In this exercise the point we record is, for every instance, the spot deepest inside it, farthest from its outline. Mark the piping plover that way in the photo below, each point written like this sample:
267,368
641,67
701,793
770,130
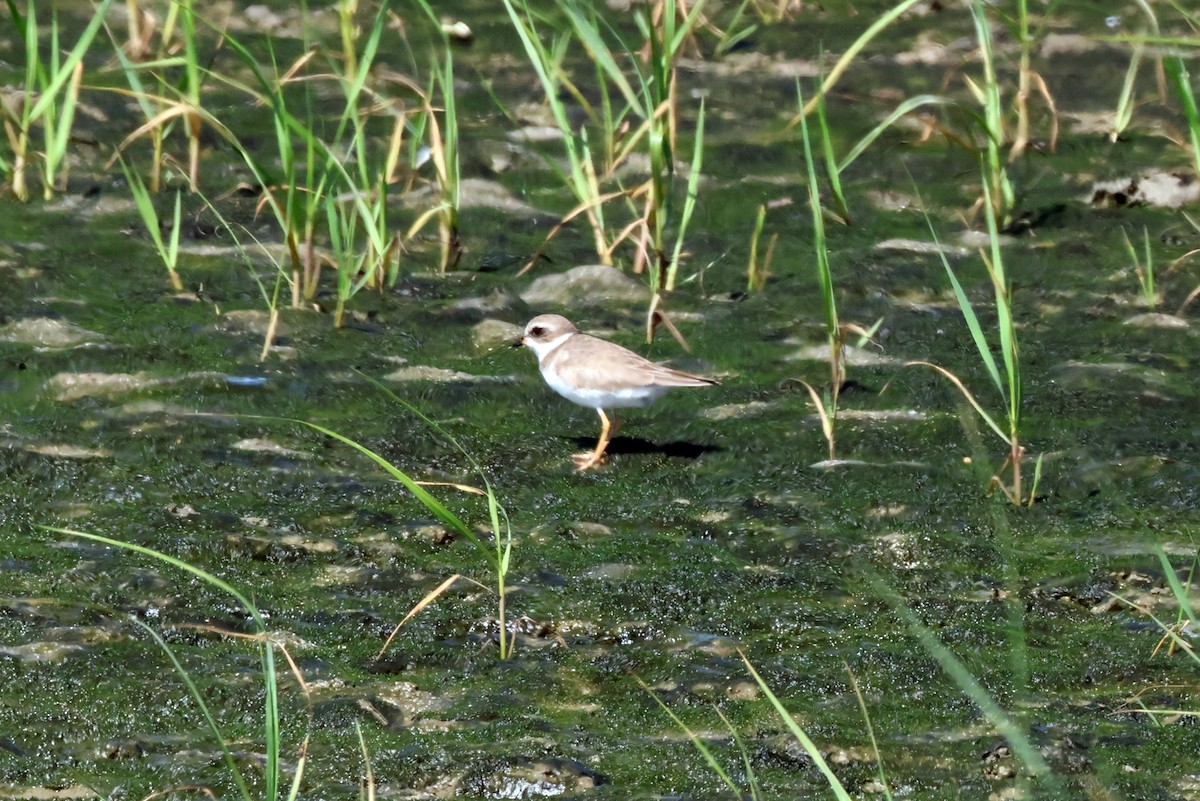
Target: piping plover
598,374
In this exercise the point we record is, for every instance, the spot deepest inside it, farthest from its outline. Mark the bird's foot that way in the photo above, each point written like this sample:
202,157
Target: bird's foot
586,461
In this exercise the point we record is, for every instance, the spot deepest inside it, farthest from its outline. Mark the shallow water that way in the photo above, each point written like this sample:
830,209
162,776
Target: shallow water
711,529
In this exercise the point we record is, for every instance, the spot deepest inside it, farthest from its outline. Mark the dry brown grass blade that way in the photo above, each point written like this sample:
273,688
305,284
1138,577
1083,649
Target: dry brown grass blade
823,415
298,65
657,315
764,272
1186,301
1021,140
269,337
429,598
1174,265
258,637
628,232
173,110
957,382
572,214
852,328
1044,91
1172,639
142,26
453,485
997,483
395,146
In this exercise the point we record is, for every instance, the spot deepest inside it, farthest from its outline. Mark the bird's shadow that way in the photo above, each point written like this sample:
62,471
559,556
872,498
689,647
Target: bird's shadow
635,445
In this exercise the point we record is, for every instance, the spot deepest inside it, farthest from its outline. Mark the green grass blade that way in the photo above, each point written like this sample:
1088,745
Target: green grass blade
968,312
747,765
209,718
431,503
847,58
689,204
698,743
1024,748
200,573
600,52
1125,105
173,245
145,207
1179,591
49,93
907,107
1004,317
807,744
831,169
1178,72
820,251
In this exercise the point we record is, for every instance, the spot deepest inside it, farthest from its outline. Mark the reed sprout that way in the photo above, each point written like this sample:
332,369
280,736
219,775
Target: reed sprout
168,250
836,332
646,84
444,155
1125,104
759,270
272,296
580,175
48,98
998,189
313,168
442,149
1143,266
1007,383
192,83
173,101
826,406
1185,616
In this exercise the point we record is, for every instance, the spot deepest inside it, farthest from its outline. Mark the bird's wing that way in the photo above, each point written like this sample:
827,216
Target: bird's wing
607,366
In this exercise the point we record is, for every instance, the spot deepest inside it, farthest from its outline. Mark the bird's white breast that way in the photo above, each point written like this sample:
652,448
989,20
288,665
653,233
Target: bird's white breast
623,398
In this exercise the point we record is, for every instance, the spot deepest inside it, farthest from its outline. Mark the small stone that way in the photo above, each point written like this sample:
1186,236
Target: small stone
1157,320
45,332
589,285
490,335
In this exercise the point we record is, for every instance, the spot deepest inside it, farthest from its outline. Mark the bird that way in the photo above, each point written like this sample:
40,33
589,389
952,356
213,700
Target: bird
599,374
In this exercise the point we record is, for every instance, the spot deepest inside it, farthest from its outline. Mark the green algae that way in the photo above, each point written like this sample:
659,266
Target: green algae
701,536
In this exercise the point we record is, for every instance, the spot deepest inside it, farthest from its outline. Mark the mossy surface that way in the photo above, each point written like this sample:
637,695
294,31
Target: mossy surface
711,529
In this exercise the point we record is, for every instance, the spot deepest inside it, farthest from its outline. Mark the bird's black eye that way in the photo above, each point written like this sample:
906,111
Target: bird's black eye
536,331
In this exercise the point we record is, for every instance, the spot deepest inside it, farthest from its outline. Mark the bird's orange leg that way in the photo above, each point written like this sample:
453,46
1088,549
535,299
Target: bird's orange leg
585,461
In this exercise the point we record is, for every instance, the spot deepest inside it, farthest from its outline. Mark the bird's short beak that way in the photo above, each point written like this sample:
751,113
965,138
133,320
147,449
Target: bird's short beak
519,342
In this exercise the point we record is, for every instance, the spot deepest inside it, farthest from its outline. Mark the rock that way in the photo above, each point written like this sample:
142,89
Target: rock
248,321
261,445
422,372
924,248
735,411
1157,320
523,777
1153,188
490,335
45,332
63,451
72,386
589,285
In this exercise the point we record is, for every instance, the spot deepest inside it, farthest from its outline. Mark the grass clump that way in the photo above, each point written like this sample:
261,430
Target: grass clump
273,763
